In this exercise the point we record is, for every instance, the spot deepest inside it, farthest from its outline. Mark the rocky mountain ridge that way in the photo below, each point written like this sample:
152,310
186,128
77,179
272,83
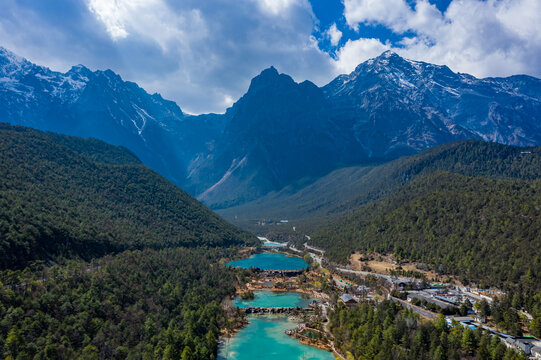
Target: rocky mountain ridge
280,132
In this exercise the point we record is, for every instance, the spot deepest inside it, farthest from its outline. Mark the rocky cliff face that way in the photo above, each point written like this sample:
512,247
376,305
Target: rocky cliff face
278,132
281,131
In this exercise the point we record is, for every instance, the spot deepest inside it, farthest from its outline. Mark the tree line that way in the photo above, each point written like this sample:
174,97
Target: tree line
484,231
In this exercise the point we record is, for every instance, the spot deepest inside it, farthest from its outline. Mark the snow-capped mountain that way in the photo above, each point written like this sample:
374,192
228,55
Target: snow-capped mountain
28,89
97,104
397,106
280,132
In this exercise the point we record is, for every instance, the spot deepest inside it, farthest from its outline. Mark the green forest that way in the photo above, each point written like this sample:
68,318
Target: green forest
142,304
102,258
482,230
467,157
311,205
386,331
67,197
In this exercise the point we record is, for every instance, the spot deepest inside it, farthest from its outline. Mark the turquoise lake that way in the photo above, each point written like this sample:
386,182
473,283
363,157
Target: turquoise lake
273,244
271,261
264,339
266,298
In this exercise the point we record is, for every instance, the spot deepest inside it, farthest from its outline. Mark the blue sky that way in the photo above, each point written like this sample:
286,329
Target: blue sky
203,53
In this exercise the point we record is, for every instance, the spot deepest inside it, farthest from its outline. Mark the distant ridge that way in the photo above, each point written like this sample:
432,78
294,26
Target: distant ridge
284,132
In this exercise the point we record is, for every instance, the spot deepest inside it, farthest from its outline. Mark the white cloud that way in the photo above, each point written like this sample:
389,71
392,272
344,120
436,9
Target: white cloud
484,38
356,51
334,34
109,13
228,101
388,12
214,48
152,19
276,7
202,54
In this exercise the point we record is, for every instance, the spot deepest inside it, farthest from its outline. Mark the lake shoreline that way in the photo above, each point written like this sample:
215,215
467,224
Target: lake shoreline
271,261
232,347
269,331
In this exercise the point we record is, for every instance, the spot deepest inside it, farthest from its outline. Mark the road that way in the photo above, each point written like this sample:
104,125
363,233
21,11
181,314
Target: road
326,331
417,309
291,247
313,248
316,258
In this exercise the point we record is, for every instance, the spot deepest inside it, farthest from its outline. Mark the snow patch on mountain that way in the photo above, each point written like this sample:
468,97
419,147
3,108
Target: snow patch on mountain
235,164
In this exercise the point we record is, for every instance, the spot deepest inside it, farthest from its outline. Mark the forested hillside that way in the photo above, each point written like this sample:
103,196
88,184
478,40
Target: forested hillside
63,196
484,230
349,188
149,304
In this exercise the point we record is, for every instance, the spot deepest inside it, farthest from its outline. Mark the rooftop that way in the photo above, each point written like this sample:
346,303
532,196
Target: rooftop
347,298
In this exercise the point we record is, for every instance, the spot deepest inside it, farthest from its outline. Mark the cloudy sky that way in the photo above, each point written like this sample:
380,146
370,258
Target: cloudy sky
203,53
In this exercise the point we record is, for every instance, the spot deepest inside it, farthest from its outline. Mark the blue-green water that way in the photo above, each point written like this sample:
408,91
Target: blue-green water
270,261
272,244
264,339
265,298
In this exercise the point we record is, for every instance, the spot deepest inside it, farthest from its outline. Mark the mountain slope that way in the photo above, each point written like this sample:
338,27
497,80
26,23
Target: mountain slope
101,105
485,230
56,199
346,189
388,107
136,304
280,132
396,106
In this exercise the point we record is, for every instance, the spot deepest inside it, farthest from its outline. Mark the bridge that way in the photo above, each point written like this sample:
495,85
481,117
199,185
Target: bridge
273,310
283,273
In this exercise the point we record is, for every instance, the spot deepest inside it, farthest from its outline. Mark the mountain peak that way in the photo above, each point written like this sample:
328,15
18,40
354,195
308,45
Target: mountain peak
10,63
388,57
5,52
388,54
79,67
80,70
270,76
270,70
383,60
11,57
